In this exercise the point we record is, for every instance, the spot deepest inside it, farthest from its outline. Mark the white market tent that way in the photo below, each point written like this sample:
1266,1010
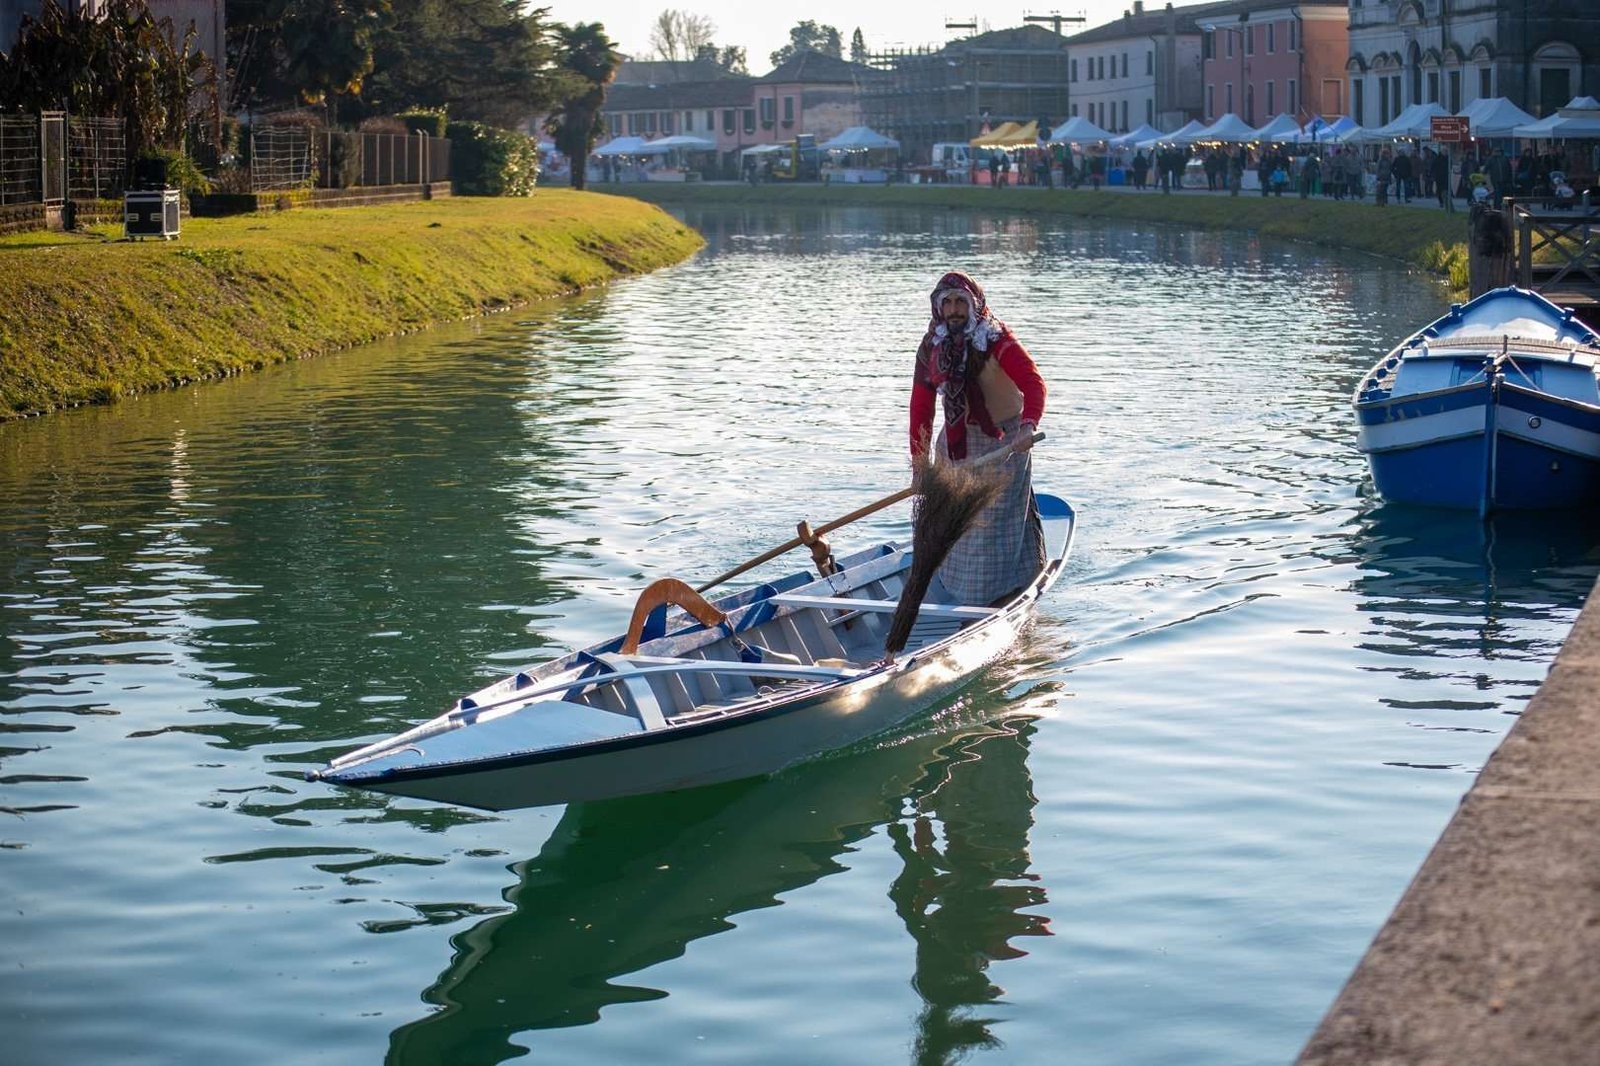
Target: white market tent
1229,129
1414,122
1138,137
1579,120
1177,136
1494,116
684,141
858,138
1340,129
1282,128
629,146
1078,130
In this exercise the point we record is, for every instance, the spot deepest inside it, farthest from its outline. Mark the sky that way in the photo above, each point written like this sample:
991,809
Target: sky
762,29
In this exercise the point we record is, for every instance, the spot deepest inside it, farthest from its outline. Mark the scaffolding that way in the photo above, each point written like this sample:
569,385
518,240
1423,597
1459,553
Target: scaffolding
949,93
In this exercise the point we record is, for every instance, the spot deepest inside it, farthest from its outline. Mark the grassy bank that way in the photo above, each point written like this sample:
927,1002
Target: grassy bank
85,319
1431,240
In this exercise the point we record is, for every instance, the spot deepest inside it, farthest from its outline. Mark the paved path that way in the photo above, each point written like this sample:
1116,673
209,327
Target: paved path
1492,955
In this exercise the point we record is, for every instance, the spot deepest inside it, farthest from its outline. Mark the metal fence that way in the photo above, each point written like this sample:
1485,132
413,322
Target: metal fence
20,171
51,157
293,158
97,158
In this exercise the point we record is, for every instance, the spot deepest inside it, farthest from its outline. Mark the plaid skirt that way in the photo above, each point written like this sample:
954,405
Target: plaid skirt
1004,549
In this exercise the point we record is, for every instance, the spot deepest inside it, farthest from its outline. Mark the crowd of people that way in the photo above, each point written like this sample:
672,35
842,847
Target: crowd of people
1388,174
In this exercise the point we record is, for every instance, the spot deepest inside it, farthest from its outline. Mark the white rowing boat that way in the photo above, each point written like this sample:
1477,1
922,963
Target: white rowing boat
698,692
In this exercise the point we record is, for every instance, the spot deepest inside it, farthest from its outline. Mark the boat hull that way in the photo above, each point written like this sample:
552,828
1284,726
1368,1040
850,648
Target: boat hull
1438,449
760,742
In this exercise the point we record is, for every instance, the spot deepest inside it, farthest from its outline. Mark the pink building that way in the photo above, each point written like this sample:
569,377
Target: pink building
1259,61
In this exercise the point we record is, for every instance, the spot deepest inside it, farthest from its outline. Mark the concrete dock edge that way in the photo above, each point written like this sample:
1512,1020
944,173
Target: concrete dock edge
1492,954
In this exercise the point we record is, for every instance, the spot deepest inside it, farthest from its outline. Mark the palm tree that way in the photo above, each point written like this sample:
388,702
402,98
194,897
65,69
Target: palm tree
589,59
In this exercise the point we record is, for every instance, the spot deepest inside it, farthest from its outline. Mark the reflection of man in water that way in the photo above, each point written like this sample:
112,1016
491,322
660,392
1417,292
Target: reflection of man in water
962,902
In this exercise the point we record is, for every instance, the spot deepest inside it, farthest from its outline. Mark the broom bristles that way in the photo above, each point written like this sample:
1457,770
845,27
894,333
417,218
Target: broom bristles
949,501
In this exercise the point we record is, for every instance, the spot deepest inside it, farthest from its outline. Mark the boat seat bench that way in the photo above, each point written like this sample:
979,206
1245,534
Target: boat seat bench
846,603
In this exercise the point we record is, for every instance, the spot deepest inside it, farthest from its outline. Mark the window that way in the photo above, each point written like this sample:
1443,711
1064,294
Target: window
1358,100
1124,64
1125,126
1433,87
1211,101
1149,62
788,109
688,122
1294,97
1250,104
650,122
711,120
1074,110
615,123
1230,46
1072,70
1208,45
1249,40
749,120
1100,74
1486,81
769,111
666,121
1272,40
1228,89
1454,103
1149,111
1294,35
1383,100
633,125
1394,98
1269,98
727,121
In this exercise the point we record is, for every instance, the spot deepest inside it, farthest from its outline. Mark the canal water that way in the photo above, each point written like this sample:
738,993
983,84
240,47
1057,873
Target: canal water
1161,832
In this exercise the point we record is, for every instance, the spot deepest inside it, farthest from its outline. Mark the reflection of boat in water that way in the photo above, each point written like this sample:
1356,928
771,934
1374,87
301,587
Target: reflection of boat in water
1442,584
625,884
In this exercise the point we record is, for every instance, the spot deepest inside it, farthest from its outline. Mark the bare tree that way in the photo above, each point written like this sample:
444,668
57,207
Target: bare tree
680,35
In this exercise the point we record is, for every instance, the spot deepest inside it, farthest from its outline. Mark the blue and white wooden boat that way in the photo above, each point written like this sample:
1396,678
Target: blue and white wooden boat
701,692
1496,406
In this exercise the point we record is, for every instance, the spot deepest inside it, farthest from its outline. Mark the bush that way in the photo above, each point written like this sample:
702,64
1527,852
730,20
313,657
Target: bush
182,173
486,161
424,121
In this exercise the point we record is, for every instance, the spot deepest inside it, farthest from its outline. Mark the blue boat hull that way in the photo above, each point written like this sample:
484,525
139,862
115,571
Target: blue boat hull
1434,450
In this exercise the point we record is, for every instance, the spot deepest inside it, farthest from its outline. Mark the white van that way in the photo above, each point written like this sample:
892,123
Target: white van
958,158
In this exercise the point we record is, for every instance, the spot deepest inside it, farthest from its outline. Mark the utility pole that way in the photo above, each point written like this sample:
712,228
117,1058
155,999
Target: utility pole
1055,18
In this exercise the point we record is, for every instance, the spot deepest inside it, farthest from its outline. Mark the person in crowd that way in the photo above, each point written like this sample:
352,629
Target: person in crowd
1141,167
1439,175
1355,174
1005,169
992,397
1400,170
1425,171
1384,176
1310,176
1236,165
994,168
1498,170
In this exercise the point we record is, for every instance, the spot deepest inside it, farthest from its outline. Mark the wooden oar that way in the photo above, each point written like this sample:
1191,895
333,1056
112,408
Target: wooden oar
860,512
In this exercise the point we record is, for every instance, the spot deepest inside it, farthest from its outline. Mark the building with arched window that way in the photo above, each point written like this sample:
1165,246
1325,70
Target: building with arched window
1539,54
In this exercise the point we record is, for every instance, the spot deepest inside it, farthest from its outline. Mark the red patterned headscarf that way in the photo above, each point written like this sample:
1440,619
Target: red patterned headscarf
952,361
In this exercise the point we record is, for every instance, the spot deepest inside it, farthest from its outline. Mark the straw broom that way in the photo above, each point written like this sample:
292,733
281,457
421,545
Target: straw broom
949,501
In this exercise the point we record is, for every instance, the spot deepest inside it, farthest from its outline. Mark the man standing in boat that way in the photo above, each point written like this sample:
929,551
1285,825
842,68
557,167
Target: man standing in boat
993,398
